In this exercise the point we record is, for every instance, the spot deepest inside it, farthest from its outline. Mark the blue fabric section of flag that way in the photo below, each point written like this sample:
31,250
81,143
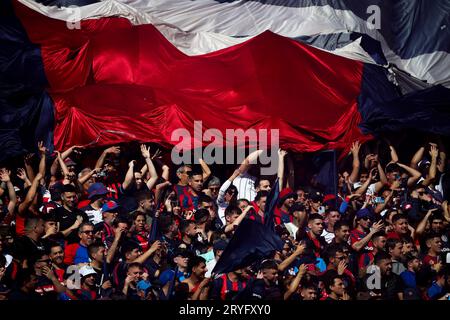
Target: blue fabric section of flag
325,163
27,114
384,109
271,203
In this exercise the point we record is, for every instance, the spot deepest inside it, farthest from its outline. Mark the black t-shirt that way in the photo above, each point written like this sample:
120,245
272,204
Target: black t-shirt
25,248
46,289
66,219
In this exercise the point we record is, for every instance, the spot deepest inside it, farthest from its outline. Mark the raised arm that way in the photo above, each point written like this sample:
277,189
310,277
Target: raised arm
238,220
129,177
147,254
5,176
30,195
226,185
356,164
281,155
413,173
394,156
433,166
251,158
288,261
417,157
86,177
42,152
423,223
296,282
153,174
101,159
206,170
28,166
357,246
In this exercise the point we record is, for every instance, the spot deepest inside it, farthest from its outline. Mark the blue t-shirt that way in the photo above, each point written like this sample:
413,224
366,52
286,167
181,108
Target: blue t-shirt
409,279
81,255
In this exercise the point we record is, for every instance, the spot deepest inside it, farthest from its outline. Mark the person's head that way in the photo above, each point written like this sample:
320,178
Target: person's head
139,181
110,210
364,218
145,201
308,290
88,277
335,285
243,203
130,251
400,224
363,175
181,259
287,198
218,248
231,194
139,221
188,228
197,267
135,270
232,213
341,231
392,172
335,255
394,248
56,253
86,233
413,263
34,227
201,217
408,246
332,217
27,280
437,223
214,187
206,202
89,182
434,243
261,199
379,240
50,221
39,261
269,269
96,252
384,261
301,195
315,224
183,173
422,193
196,181
168,226
121,222
263,185
69,196
316,200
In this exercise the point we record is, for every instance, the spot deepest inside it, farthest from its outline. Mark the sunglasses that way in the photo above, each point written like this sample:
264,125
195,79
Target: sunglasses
45,261
88,232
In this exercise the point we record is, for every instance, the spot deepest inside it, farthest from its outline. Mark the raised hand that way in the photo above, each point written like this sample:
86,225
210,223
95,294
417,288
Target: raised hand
5,175
157,155
28,157
434,152
341,267
114,149
377,226
355,148
42,149
145,151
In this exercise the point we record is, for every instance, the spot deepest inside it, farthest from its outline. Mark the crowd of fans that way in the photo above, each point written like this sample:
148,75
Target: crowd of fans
74,233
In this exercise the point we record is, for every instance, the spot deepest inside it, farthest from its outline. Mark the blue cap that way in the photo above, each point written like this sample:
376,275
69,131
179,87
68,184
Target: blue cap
109,206
97,189
362,213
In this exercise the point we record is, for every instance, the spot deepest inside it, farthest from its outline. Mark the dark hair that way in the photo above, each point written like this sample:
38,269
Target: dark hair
410,257
381,255
93,248
68,188
24,276
314,216
230,210
85,224
392,167
195,261
268,265
339,224
331,252
143,195
128,246
378,234
436,216
134,265
52,244
398,216
184,224
204,198
195,173
330,278
261,194
165,222
432,235
391,243
121,219
136,214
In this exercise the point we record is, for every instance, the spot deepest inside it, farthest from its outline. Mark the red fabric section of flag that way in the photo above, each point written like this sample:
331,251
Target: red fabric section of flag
110,75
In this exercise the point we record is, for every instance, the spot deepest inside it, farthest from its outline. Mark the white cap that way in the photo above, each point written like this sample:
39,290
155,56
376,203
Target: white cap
86,270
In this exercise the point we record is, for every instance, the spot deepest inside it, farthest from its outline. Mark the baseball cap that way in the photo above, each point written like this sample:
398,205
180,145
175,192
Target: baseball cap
110,206
362,213
286,193
96,189
220,245
86,270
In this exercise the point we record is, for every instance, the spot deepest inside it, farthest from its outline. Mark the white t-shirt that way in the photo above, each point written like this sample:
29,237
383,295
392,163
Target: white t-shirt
245,183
